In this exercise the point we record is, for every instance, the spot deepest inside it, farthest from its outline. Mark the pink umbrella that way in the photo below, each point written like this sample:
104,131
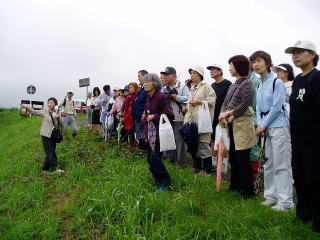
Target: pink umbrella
221,150
222,143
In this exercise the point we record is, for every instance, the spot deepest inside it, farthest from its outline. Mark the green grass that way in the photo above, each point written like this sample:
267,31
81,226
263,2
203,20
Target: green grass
107,192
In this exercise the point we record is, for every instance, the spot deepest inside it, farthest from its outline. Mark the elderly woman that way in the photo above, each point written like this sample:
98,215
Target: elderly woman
200,92
157,103
237,114
50,120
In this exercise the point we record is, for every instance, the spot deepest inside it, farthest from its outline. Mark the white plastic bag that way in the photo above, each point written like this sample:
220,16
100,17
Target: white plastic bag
222,133
109,122
166,136
204,119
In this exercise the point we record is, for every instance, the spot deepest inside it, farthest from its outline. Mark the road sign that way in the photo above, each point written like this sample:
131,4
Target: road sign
85,82
31,89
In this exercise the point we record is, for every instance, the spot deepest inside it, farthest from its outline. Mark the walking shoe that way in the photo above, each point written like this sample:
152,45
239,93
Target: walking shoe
225,168
268,203
279,207
194,170
204,173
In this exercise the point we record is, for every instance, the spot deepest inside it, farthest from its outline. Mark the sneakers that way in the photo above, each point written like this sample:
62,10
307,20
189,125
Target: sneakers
278,207
268,203
204,173
225,168
194,170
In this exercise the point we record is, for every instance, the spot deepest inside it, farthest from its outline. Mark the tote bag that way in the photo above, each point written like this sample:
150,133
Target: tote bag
166,136
204,119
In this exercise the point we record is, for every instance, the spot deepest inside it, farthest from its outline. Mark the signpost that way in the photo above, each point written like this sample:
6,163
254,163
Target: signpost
31,89
85,82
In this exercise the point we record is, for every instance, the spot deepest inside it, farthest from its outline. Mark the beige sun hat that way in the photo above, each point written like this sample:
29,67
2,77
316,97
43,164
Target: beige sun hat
198,69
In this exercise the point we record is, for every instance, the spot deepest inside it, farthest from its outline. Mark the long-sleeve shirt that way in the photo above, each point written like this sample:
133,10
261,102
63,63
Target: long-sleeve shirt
255,81
156,105
117,106
105,105
47,124
271,102
138,104
239,97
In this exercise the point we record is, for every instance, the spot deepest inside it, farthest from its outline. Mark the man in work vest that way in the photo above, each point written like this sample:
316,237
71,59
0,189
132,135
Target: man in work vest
69,113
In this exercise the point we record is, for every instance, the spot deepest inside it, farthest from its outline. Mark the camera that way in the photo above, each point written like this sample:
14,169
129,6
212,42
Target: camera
168,90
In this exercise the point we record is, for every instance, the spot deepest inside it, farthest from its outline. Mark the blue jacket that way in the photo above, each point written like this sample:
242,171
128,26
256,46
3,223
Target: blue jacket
271,101
138,104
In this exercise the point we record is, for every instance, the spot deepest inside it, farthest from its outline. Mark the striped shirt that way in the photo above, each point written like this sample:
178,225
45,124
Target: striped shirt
239,97
46,125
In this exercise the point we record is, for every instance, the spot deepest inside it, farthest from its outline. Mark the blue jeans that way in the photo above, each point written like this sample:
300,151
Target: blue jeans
70,120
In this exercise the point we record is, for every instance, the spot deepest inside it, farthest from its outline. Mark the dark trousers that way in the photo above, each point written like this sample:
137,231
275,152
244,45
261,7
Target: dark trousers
241,174
157,168
306,175
202,164
51,160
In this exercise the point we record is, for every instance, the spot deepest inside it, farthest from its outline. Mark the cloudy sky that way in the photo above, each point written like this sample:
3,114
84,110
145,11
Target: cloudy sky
53,43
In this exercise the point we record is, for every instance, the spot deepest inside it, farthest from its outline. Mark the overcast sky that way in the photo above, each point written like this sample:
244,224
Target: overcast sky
53,43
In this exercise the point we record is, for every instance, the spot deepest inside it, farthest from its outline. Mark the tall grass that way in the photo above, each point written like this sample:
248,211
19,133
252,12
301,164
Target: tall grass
107,192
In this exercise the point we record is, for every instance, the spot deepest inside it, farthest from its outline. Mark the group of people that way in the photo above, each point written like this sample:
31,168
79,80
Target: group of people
282,111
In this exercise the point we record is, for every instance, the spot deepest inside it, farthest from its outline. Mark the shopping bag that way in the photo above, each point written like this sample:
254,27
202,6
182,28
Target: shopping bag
204,119
109,122
222,133
166,136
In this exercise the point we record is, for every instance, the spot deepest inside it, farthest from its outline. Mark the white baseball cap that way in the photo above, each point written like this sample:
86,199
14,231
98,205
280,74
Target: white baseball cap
275,68
214,65
198,69
302,44
70,91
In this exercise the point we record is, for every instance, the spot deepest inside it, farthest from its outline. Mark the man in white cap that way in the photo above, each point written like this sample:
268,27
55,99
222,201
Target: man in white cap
304,127
69,113
220,87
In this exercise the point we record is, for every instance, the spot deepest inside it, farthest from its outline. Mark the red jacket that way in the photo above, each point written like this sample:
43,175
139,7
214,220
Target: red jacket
127,115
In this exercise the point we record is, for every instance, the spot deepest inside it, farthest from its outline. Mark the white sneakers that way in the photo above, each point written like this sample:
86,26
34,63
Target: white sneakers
275,206
281,208
268,203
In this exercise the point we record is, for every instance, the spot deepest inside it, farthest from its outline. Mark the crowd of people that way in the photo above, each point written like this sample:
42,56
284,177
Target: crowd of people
281,111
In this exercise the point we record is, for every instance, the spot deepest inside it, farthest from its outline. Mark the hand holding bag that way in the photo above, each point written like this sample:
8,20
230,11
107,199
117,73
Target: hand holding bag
204,119
56,133
166,136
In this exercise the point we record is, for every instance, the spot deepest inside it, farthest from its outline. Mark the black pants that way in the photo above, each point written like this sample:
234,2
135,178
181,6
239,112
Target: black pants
157,168
51,160
306,175
241,174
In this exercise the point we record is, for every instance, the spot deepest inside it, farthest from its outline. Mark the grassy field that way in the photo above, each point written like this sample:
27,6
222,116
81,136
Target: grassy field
107,192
